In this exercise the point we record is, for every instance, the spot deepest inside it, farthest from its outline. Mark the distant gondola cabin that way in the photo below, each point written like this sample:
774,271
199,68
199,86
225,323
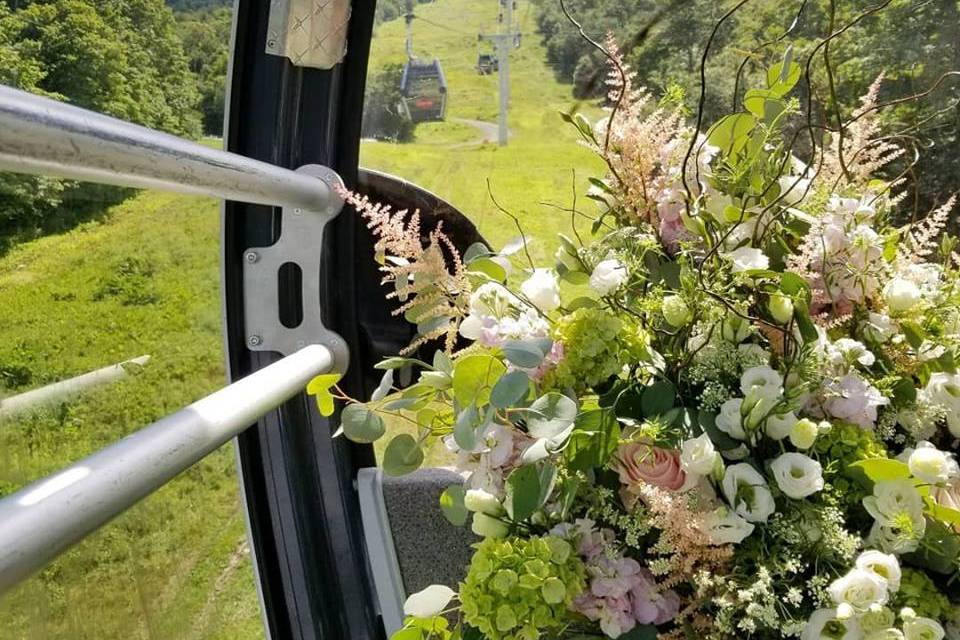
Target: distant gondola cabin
424,90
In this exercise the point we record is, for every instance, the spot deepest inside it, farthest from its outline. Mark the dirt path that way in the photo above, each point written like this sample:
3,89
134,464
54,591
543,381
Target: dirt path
490,131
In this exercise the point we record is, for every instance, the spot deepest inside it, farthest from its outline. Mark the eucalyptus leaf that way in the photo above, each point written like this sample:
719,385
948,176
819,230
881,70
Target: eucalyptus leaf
475,251
451,504
522,353
360,424
510,389
465,428
488,267
550,415
523,492
657,399
474,377
386,384
402,456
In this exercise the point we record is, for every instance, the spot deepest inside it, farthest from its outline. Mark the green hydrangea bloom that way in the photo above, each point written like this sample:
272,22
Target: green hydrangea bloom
846,444
918,592
596,344
521,589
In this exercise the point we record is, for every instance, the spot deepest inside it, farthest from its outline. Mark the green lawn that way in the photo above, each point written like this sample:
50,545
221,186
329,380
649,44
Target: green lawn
538,163
145,280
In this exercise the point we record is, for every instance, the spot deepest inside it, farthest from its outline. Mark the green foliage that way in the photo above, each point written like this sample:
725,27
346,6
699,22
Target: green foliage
197,5
919,592
519,588
206,41
597,335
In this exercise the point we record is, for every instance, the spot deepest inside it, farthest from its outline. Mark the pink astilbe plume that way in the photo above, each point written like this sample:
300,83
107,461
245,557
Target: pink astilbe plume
429,278
637,143
921,237
864,152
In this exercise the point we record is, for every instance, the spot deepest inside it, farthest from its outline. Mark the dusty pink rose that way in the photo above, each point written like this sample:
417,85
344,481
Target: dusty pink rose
638,462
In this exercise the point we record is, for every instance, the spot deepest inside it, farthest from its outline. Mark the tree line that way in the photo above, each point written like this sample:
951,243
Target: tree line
125,58
912,42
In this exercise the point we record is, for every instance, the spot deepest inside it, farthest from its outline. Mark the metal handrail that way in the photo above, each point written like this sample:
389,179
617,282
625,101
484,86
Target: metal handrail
45,137
60,391
41,521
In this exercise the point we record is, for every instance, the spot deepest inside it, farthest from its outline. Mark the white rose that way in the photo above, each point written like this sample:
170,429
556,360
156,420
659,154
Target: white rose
884,565
724,526
877,619
675,311
489,527
698,456
824,625
728,420
542,289
747,259
748,493
943,390
608,276
797,475
901,295
779,427
931,465
920,628
858,591
480,501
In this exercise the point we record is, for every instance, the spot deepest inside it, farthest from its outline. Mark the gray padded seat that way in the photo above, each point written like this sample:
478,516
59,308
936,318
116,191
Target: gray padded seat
410,543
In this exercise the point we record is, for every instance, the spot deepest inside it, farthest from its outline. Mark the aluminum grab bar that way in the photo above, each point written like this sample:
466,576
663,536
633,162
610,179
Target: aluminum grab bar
45,137
41,521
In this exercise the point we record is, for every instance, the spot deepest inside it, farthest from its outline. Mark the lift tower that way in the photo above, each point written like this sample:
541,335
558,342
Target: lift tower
504,41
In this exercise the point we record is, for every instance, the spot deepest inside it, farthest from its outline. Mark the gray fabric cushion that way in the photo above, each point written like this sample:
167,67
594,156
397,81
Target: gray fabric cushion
430,550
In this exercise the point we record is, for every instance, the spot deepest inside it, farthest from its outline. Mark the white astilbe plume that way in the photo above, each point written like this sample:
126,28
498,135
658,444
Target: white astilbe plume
432,294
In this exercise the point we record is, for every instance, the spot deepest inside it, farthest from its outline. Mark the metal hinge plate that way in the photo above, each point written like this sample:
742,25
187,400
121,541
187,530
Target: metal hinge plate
311,33
300,243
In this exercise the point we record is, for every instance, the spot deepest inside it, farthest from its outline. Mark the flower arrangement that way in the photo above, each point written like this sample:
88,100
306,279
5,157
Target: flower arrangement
727,414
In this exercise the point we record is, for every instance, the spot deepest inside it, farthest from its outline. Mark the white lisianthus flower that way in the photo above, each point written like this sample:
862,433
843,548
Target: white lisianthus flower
489,527
943,390
878,619
763,380
724,526
897,509
793,189
698,456
854,351
748,259
931,465
608,276
748,493
901,295
878,327
884,565
797,475
480,501
430,602
824,625
857,591
779,427
919,628
729,421
542,289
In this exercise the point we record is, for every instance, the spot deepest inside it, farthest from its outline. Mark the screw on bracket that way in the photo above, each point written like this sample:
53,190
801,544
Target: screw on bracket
254,341
251,256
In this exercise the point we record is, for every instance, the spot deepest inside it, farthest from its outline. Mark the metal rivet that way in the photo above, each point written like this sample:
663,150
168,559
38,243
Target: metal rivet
252,256
297,212
254,341
271,44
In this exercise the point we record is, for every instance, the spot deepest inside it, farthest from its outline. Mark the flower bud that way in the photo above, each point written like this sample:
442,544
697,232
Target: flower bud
781,307
676,312
479,501
804,433
488,527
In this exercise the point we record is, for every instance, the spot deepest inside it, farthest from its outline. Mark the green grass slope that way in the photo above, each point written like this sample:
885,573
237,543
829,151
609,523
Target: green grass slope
447,158
144,281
